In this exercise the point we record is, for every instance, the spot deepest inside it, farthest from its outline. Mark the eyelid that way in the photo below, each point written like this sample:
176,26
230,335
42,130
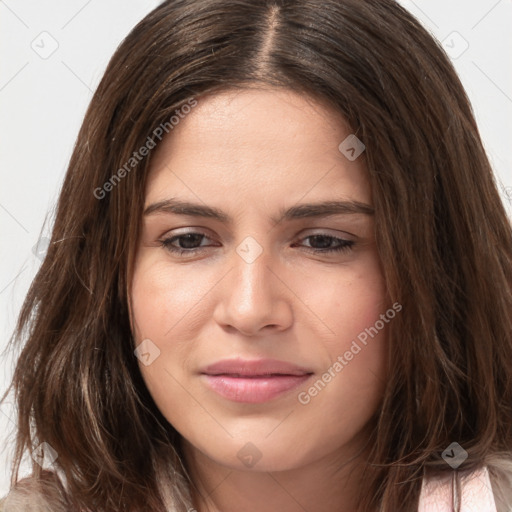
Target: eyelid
192,230
168,238
189,230
335,233
344,245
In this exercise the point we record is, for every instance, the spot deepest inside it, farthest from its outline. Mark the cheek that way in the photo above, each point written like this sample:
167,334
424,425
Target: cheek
346,301
165,308
349,391
351,306
162,299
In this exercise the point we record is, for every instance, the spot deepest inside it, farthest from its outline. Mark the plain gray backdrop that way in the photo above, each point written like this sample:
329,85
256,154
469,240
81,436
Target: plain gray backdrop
52,56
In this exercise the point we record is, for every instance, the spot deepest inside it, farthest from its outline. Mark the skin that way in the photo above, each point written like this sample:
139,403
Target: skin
251,153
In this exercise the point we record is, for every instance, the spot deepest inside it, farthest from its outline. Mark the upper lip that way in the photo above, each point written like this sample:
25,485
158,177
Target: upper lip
254,367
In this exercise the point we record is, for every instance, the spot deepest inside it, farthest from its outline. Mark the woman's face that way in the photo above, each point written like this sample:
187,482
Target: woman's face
257,301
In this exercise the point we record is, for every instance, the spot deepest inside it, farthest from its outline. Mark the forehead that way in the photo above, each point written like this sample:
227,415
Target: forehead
257,140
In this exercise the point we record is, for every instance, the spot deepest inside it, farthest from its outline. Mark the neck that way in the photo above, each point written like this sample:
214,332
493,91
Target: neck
326,484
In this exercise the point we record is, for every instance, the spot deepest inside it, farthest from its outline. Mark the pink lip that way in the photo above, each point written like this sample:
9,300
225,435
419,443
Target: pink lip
253,381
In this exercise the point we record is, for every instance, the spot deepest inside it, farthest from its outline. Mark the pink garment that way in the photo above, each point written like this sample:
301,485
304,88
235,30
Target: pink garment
476,493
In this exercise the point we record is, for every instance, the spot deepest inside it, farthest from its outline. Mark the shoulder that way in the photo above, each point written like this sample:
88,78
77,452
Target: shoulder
487,489
500,472
35,495
474,493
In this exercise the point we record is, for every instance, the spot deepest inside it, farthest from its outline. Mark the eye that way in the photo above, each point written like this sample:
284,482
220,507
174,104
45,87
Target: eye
186,243
192,243
323,243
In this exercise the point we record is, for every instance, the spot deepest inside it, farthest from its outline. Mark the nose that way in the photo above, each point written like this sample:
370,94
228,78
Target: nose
254,298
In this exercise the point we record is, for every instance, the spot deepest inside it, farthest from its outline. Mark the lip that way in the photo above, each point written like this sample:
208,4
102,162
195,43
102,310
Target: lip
254,380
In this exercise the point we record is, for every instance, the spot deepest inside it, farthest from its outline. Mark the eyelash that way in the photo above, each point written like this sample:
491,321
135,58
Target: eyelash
344,245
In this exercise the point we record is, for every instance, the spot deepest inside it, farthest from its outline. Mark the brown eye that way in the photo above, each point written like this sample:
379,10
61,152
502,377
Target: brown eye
323,243
185,243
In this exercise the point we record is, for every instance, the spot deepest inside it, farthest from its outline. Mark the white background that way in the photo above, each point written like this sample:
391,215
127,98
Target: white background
43,100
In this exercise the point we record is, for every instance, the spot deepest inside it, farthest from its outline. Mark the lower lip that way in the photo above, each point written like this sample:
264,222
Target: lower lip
254,390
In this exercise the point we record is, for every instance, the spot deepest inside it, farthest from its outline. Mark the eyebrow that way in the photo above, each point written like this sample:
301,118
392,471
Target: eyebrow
301,211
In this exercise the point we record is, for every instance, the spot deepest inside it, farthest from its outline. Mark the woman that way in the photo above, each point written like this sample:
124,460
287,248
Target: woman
279,278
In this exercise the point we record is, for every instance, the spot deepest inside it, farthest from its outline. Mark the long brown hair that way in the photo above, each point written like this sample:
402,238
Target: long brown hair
442,233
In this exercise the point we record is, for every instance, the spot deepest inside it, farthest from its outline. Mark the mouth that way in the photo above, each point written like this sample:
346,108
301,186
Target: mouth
254,381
